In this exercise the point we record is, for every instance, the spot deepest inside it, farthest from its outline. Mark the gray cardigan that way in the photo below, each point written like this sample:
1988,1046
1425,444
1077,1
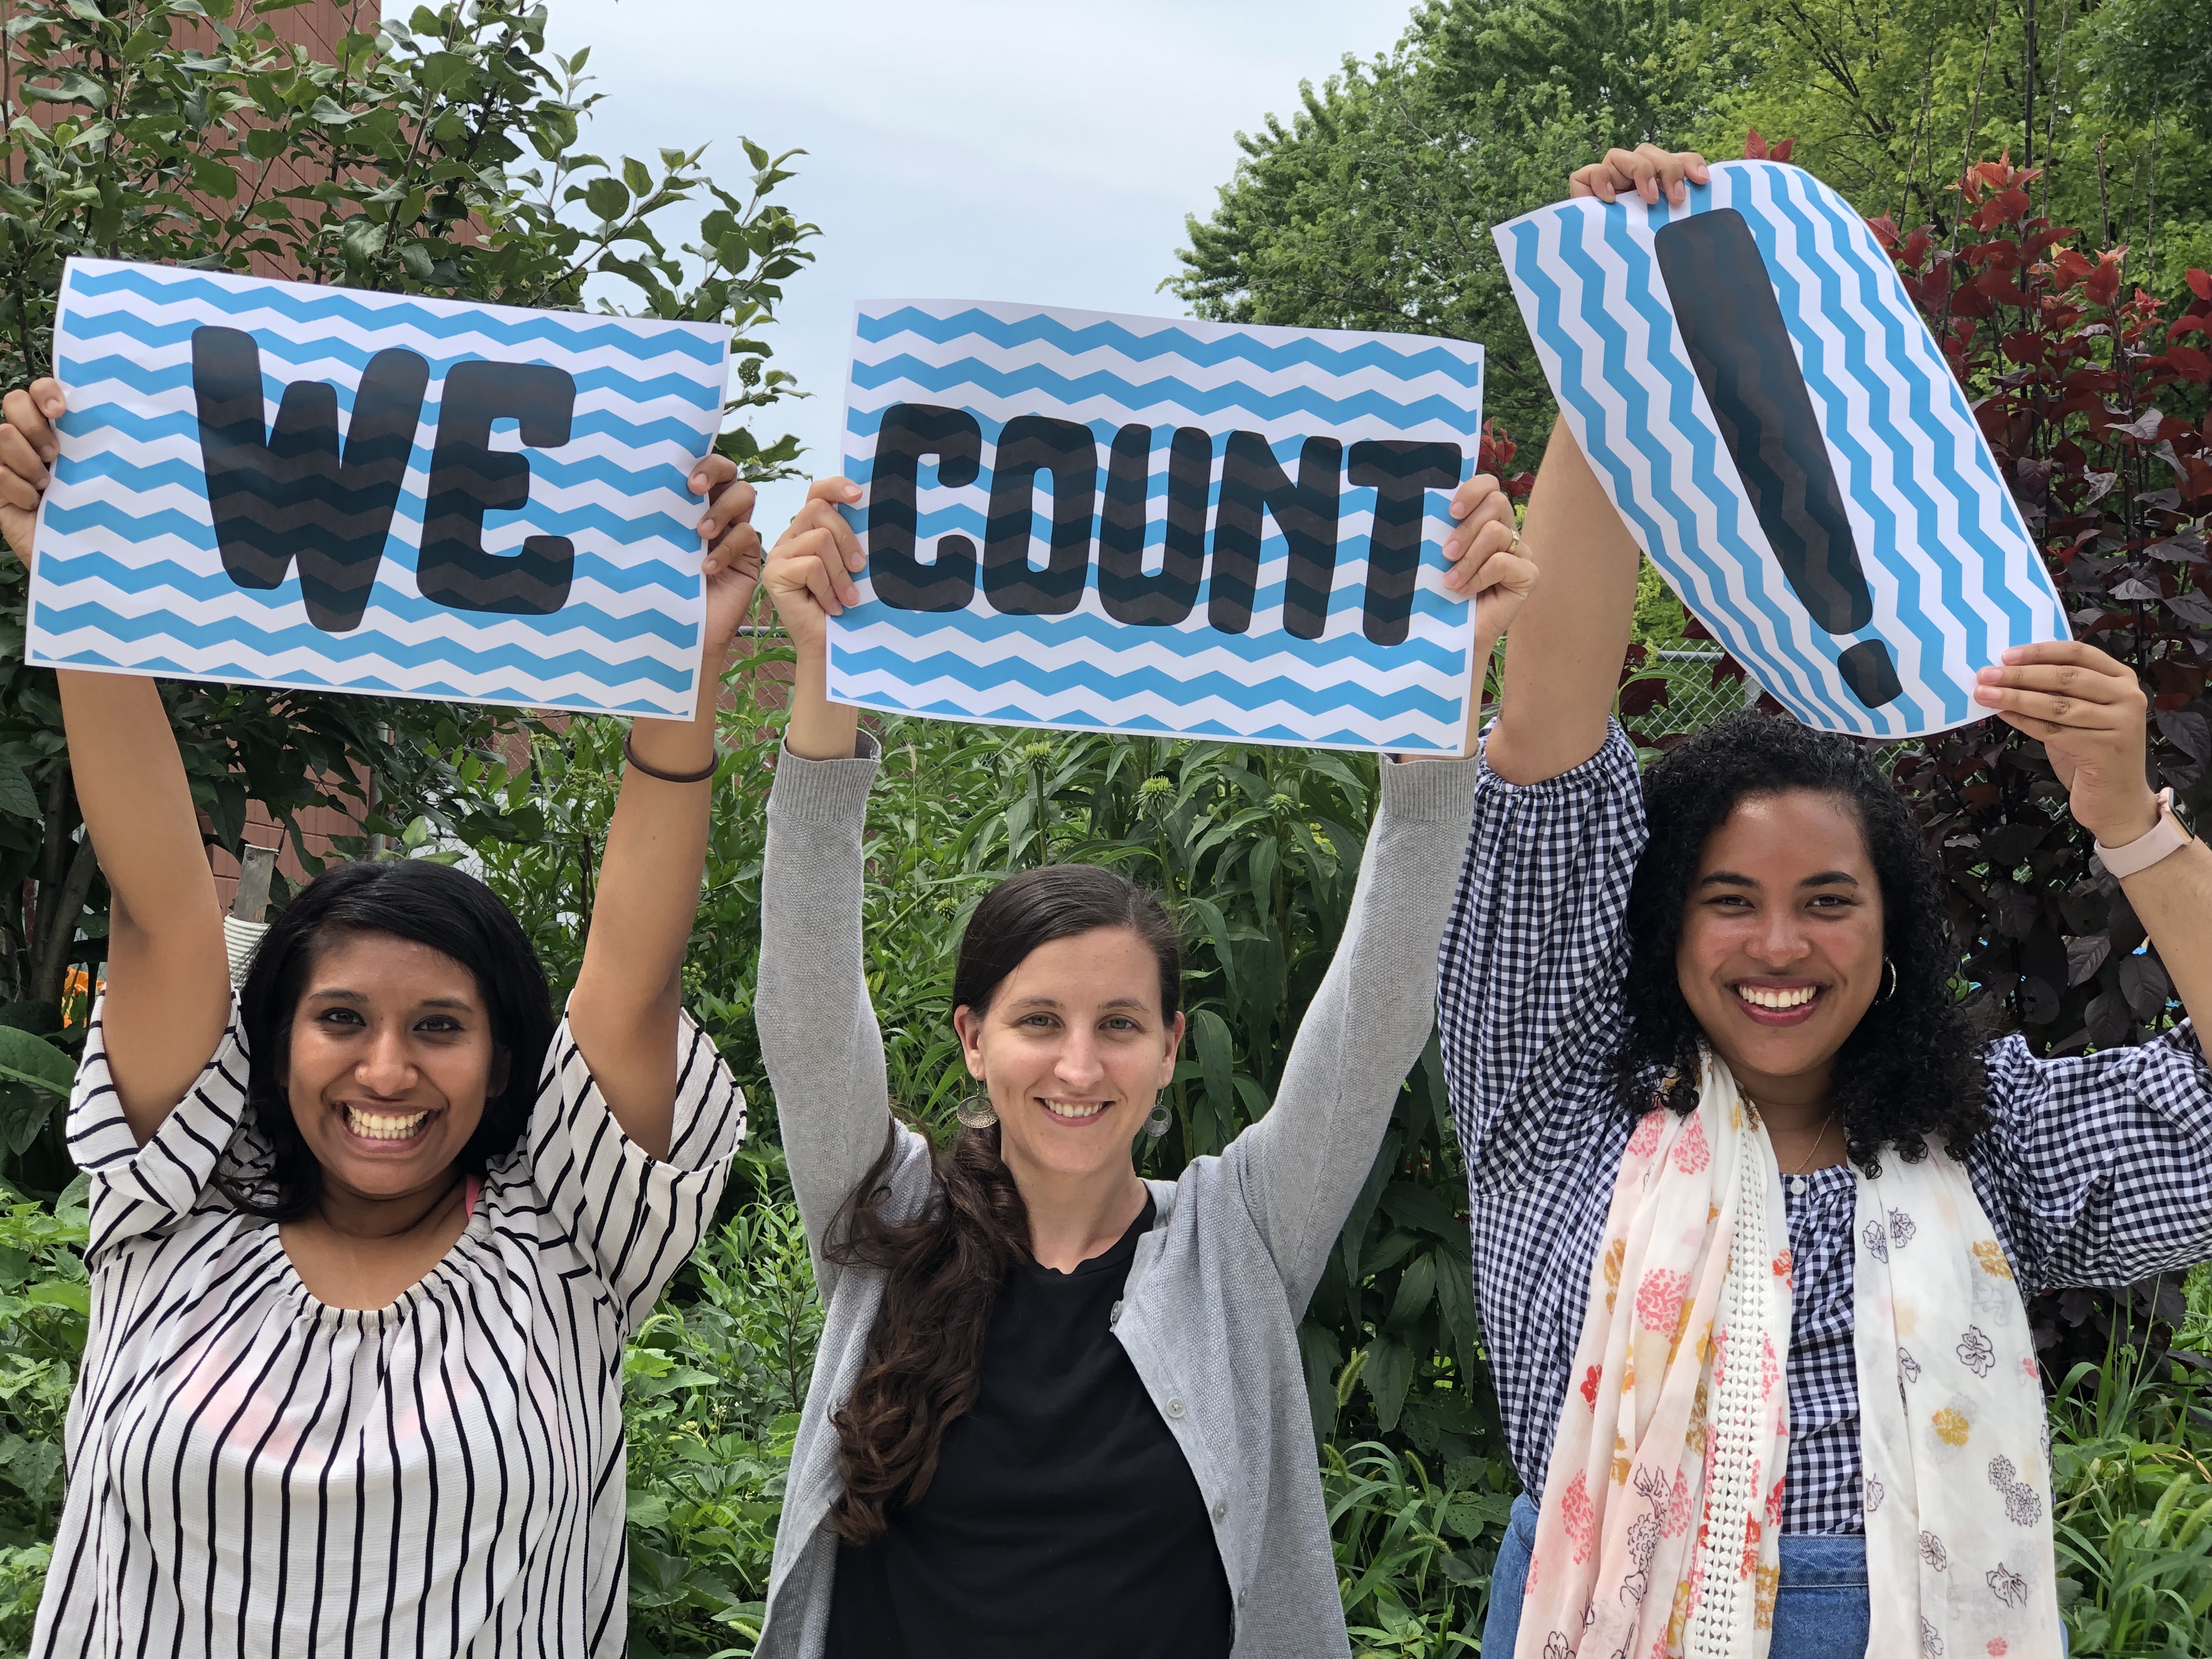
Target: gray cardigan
1210,1312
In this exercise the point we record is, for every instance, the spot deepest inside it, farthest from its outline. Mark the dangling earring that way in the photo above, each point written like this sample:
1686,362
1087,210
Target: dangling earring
976,1112
1889,990
1156,1125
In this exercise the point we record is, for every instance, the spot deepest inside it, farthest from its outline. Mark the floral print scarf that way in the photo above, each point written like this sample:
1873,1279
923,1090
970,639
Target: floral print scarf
1658,1536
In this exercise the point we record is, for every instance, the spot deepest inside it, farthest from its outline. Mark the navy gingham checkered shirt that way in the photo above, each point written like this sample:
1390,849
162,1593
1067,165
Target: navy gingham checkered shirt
2096,1170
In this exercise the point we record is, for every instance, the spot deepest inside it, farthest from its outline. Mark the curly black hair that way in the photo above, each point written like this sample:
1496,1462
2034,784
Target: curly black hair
1912,1069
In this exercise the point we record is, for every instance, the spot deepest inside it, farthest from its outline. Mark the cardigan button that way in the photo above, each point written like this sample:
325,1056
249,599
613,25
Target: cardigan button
1175,1407
1220,1509
1114,1314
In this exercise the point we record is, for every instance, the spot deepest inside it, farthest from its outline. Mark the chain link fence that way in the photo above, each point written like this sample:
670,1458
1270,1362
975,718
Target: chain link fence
1694,700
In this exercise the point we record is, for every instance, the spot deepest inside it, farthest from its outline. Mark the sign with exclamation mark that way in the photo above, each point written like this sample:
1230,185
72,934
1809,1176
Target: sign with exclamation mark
1778,429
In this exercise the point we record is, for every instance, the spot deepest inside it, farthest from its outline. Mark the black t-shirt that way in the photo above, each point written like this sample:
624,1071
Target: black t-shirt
1063,1519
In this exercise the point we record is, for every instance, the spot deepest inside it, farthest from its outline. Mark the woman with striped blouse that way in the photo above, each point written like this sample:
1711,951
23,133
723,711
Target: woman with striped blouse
367,1239
1754,1208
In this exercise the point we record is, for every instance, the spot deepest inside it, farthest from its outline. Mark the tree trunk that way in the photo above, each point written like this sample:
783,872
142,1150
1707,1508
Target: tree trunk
58,916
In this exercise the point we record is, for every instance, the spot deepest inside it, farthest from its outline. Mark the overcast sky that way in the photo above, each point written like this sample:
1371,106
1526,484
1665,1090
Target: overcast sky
981,149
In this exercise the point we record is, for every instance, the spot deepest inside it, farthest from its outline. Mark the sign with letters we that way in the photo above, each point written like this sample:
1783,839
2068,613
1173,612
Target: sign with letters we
1135,524
275,484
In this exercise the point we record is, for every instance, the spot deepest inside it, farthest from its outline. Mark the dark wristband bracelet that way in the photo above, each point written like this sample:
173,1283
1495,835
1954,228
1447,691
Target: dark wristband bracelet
699,776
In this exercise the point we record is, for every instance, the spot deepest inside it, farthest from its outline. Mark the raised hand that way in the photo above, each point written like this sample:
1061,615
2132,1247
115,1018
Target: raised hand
809,579
27,449
733,566
811,569
1489,563
2090,716
1647,171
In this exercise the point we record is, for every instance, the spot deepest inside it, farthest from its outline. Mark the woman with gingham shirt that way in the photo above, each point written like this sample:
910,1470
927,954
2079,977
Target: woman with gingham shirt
367,1239
1761,899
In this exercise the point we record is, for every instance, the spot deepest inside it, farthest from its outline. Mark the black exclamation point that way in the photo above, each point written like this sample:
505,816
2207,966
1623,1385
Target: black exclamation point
1732,327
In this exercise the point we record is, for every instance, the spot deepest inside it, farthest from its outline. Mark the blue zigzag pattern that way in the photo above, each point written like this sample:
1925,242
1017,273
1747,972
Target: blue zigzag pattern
1178,341
245,635
136,524
176,378
1854,332
105,522
165,576
1335,385
985,627
297,302
1034,385
588,423
546,466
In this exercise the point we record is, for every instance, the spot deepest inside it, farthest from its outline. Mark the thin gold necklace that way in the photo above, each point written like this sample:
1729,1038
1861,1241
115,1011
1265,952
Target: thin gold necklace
1797,1181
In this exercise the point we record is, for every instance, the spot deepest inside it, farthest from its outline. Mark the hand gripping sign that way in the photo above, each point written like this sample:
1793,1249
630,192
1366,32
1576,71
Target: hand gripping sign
273,483
1240,534
1779,431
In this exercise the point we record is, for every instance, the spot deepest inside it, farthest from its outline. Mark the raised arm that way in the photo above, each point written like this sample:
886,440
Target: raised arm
629,994
1303,1164
169,986
1565,661
819,1038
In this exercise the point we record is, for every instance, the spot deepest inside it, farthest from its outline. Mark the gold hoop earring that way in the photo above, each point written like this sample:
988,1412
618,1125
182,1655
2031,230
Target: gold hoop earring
976,1112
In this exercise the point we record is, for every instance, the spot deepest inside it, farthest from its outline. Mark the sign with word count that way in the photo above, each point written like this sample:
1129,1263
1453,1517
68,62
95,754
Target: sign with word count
1135,524
1779,430
273,483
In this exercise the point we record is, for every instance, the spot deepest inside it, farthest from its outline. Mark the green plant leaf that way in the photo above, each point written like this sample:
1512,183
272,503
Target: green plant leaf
1388,1374
1209,1035
607,197
17,797
1417,1292
29,1059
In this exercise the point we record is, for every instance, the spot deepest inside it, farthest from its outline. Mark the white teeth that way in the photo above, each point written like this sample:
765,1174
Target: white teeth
383,1126
1062,1108
1795,997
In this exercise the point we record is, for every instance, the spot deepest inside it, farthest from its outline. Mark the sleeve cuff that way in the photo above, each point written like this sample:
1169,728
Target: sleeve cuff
1612,767
824,791
1431,791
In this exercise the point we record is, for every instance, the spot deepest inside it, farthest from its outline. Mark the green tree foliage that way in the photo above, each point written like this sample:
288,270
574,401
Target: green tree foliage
1372,207
441,156
1890,102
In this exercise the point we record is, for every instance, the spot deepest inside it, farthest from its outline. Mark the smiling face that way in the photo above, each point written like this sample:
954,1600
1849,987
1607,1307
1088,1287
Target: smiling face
1074,1051
1781,949
391,1061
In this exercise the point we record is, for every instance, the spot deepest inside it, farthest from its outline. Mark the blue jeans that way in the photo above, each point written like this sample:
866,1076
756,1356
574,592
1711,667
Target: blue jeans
1821,1612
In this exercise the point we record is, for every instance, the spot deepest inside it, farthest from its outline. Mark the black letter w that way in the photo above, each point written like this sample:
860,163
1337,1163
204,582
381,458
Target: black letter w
281,496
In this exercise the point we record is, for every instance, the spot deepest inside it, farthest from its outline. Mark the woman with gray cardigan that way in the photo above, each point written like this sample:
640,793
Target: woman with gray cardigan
1058,1408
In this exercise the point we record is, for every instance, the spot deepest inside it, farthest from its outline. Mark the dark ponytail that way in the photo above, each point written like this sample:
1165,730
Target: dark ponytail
924,1363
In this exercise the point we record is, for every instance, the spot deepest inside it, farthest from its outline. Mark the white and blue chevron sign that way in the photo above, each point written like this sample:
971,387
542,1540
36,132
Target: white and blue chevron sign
1139,524
272,483
1779,430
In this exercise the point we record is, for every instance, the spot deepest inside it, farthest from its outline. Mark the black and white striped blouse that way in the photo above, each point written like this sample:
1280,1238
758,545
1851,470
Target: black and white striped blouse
253,1471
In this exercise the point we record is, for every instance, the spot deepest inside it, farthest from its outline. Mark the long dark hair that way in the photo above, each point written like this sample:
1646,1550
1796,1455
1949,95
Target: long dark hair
924,1363
1910,1070
415,899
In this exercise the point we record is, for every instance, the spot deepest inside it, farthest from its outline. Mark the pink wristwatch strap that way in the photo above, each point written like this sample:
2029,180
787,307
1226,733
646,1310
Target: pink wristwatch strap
2165,836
